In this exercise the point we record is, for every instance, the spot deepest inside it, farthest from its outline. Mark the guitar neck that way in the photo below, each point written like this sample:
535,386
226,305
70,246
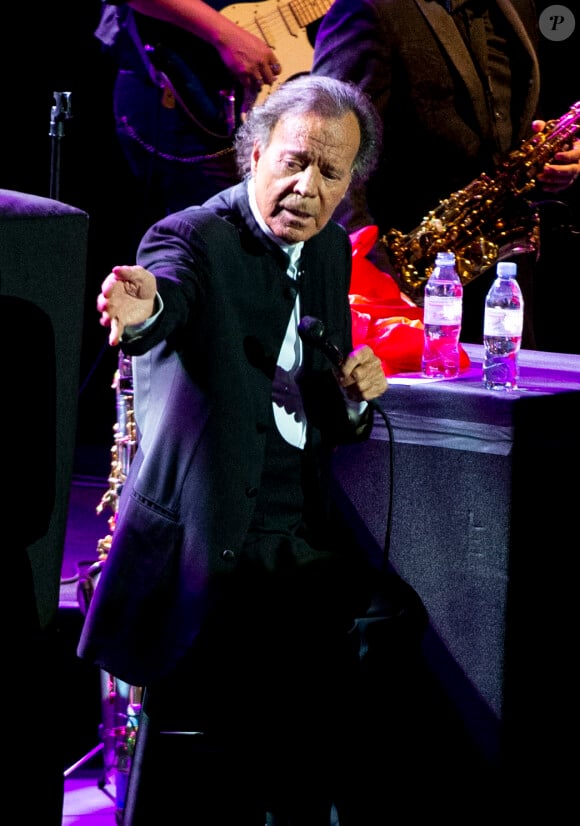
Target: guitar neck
271,20
309,12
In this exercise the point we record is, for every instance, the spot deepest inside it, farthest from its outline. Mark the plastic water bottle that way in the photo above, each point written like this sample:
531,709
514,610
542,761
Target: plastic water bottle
442,312
502,329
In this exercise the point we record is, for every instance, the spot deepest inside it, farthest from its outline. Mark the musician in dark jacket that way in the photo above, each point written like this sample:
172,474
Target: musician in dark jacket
457,84
228,591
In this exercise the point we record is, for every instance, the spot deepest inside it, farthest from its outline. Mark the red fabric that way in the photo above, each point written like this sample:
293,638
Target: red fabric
382,316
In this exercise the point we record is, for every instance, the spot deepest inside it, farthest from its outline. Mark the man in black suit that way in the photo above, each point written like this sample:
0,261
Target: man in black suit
228,591
457,85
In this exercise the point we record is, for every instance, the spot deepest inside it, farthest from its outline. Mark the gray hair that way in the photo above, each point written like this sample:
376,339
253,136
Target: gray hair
313,93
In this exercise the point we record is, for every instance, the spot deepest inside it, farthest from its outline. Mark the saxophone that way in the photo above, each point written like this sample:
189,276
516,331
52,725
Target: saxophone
489,220
122,451
121,702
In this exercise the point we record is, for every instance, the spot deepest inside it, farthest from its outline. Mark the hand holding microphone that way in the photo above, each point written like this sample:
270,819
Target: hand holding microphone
360,373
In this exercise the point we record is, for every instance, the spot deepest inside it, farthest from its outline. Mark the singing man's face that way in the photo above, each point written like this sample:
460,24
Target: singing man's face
303,173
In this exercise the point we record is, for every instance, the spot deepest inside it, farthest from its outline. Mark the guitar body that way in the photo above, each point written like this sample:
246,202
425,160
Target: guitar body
282,25
196,75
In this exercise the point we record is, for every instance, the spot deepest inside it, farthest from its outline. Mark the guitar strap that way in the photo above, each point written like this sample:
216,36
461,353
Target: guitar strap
157,77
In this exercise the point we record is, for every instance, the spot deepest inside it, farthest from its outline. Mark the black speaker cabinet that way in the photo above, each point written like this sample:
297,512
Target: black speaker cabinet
484,528
43,250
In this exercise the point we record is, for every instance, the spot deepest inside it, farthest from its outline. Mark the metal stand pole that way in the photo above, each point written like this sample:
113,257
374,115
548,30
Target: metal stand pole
59,113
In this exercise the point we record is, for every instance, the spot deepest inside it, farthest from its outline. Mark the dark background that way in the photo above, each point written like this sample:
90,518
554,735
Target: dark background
51,47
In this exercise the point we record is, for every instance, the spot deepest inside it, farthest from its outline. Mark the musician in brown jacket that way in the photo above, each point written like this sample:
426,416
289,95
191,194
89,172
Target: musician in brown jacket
457,85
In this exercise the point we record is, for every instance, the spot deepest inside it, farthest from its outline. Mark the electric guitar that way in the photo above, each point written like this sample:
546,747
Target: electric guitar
197,78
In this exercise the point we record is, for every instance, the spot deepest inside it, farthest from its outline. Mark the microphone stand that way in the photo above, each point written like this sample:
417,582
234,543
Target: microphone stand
59,113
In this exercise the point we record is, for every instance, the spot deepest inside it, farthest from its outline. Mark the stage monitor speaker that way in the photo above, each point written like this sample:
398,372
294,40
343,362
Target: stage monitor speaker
43,254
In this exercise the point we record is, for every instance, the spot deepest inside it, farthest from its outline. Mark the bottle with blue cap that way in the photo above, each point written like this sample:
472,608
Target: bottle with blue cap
502,329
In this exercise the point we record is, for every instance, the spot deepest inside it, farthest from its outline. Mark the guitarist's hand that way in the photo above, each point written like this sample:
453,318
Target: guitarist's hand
250,60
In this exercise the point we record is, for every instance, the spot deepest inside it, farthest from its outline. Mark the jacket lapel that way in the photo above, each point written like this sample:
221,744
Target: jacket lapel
438,19
530,102
452,42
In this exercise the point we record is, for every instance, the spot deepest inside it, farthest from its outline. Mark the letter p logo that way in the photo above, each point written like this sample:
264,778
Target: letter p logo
556,23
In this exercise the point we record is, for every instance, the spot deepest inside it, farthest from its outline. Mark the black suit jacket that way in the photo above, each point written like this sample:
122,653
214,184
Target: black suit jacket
203,394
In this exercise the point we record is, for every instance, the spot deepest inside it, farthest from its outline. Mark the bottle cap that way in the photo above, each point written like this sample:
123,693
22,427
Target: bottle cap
507,269
445,257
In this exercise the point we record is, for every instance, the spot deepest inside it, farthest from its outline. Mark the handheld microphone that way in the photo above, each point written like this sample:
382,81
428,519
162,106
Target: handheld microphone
313,332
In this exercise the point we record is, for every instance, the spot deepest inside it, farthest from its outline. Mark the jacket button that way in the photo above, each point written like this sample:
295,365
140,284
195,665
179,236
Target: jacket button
228,555
251,492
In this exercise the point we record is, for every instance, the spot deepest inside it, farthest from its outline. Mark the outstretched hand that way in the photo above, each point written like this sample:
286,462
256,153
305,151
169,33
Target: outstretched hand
127,297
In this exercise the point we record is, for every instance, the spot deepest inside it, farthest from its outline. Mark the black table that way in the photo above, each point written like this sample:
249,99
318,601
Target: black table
485,498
